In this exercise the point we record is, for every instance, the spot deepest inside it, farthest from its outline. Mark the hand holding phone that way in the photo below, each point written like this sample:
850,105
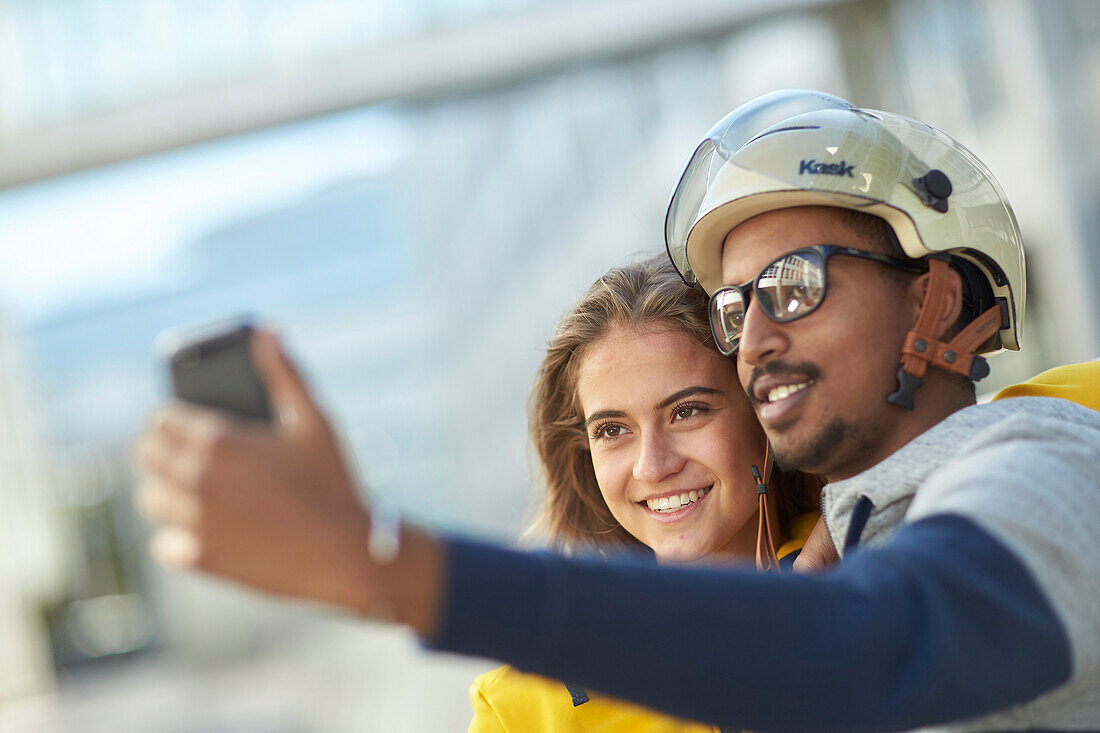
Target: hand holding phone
278,510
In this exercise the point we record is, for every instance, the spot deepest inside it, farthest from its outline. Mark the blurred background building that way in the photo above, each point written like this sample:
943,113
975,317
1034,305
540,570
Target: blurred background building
412,191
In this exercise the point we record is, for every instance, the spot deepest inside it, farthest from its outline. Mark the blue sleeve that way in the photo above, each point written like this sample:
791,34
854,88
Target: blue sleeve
941,624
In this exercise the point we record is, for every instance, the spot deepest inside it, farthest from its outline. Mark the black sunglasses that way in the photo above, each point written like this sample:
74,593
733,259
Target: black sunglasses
788,288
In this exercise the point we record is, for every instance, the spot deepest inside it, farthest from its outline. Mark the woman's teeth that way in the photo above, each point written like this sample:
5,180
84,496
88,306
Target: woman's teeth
676,502
784,391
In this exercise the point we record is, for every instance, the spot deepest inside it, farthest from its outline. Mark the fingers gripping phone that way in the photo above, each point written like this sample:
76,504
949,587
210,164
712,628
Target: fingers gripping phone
212,366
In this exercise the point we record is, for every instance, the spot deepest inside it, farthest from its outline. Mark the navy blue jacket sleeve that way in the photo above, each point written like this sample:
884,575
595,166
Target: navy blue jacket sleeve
942,623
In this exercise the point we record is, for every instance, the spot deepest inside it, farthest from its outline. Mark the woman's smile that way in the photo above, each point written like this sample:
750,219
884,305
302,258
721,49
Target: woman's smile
677,506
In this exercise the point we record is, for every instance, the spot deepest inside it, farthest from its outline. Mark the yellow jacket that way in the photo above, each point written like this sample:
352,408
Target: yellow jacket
509,700
1078,383
506,699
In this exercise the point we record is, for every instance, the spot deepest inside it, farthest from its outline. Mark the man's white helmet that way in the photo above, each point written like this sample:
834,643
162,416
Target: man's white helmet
798,148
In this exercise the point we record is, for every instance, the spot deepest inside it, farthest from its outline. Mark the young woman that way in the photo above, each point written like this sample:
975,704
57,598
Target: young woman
646,440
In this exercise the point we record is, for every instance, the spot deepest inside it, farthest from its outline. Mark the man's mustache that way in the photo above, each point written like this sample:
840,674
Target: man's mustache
806,369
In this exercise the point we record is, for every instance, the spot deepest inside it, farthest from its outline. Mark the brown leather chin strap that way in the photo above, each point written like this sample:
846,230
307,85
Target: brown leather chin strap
767,522
922,348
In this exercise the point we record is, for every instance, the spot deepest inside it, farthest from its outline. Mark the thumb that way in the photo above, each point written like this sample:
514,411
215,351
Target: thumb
818,553
289,395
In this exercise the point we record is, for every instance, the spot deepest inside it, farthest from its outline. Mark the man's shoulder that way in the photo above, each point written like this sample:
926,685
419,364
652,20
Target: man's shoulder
1047,429
1053,412
973,434
1024,455
1017,418
1019,438
1068,394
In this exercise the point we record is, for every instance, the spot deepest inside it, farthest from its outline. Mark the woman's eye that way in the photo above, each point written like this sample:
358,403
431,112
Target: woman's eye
607,431
683,412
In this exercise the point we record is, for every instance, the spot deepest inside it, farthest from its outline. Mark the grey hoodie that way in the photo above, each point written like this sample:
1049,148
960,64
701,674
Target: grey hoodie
1026,470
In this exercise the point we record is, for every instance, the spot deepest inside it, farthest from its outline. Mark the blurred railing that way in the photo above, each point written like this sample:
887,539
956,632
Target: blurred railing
93,81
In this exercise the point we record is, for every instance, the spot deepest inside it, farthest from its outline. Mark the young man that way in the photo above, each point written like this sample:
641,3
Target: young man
975,592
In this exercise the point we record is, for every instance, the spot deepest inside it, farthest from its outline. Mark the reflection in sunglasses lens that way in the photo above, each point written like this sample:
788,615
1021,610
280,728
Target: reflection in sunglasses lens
728,315
792,286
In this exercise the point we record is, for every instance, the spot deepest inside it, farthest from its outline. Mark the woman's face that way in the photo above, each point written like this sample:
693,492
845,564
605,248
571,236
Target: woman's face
673,441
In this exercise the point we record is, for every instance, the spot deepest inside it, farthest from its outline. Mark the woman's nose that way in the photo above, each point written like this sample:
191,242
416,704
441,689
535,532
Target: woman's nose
657,459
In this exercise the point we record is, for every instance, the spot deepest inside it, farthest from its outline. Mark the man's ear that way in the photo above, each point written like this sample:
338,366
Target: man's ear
950,308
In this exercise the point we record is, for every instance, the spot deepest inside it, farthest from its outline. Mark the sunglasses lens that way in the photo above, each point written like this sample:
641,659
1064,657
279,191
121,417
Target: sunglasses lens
727,318
792,286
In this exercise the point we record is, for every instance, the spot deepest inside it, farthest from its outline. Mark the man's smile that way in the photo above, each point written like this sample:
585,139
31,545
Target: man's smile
781,391
777,381
778,390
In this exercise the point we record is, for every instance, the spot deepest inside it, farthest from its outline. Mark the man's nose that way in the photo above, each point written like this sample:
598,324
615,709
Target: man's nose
658,459
761,337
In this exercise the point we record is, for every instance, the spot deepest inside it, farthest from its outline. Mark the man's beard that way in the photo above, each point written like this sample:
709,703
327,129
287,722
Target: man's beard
819,454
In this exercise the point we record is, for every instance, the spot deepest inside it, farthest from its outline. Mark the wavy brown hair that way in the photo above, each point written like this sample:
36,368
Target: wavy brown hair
573,512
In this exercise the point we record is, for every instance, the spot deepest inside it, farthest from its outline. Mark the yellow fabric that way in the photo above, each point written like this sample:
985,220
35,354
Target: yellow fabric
800,531
1078,383
507,700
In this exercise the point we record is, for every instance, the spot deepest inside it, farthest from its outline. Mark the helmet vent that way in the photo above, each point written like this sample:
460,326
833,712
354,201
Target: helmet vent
933,188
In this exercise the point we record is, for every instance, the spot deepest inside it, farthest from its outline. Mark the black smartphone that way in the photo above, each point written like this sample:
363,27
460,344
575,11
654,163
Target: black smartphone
212,366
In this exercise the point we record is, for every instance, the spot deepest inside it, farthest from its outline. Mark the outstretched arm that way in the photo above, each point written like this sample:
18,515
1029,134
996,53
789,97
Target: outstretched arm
943,623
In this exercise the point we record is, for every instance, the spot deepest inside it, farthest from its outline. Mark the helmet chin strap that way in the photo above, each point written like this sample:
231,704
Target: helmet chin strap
767,521
922,348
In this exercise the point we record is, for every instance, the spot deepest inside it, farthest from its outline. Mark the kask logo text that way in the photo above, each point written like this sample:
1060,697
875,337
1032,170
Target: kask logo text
828,169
